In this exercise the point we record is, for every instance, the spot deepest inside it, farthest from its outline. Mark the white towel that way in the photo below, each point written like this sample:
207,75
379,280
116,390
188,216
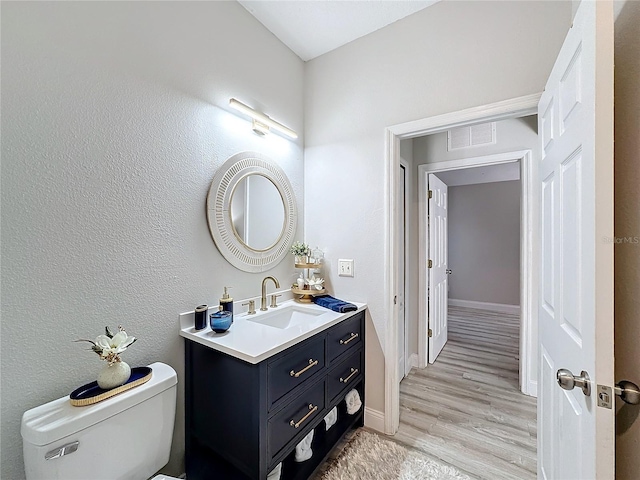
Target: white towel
353,401
275,473
303,449
331,418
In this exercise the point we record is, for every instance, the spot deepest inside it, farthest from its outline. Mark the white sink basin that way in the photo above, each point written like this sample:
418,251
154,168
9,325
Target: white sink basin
287,316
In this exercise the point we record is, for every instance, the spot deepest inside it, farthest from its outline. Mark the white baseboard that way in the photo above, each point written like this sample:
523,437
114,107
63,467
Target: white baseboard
531,389
496,307
374,419
413,361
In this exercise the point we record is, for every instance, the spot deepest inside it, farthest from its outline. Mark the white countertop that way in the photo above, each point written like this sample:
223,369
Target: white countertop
253,342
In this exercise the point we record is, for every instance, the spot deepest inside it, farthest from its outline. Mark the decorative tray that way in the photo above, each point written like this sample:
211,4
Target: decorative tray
311,266
307,295
308,291
91,393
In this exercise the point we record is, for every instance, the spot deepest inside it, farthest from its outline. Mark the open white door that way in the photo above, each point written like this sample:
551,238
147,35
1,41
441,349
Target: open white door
438,294
575,124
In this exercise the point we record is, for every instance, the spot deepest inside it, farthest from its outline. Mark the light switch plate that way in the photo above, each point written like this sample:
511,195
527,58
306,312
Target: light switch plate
345,267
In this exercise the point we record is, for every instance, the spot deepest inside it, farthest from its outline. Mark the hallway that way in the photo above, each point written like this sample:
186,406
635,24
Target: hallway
466,408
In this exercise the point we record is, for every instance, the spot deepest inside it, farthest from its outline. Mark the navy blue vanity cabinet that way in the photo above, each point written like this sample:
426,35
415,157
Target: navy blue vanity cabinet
243,419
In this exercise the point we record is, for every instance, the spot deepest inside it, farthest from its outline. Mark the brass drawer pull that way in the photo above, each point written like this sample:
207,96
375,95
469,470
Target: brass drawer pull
353,335
312,363
312,410
353,372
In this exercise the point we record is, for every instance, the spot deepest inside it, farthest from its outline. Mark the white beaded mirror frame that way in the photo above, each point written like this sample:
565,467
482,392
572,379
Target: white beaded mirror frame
232,248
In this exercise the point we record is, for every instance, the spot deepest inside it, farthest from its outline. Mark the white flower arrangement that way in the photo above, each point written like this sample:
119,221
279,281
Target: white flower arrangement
316,282
110,346
300,249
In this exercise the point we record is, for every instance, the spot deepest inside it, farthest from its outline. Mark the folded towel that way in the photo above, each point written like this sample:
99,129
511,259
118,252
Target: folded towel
331,418
353,401
334,304
275,473
303,449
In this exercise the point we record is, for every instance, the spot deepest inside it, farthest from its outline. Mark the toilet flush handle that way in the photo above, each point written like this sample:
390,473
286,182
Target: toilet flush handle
62,451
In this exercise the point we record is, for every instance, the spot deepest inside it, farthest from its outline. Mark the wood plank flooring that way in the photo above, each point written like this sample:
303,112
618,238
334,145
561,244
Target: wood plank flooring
466,409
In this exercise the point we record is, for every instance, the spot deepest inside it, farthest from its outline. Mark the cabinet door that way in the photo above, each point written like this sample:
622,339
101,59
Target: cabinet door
345,336
291,369
344,375
295,418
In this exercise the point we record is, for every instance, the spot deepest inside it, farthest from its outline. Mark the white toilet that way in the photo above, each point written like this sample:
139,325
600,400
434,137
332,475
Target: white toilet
127,436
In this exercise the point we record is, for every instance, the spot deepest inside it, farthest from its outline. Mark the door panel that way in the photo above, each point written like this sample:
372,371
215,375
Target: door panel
438,279
575,438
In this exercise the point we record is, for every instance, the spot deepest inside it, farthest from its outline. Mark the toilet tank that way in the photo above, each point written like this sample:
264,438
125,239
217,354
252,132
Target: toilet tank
127,436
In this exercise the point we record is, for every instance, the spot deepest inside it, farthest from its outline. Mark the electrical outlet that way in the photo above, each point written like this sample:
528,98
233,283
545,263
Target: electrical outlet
345,268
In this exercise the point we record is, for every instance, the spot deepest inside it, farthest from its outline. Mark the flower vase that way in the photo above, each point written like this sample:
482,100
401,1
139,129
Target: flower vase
301,259
114,375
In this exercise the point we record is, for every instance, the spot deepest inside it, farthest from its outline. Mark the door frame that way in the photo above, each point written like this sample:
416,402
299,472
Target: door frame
528,212
511,108
407,177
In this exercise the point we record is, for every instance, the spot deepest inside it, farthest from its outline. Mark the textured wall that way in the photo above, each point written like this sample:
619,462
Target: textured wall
114,122
450,56
484,242
627,226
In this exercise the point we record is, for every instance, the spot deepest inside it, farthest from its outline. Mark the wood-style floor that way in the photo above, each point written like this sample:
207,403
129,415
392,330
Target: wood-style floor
466,409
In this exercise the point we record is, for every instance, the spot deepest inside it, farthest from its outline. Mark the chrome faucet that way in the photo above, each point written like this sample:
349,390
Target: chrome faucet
263,300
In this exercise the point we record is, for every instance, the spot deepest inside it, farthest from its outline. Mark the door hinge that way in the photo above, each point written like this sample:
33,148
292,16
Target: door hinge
430,193
430,264
430,333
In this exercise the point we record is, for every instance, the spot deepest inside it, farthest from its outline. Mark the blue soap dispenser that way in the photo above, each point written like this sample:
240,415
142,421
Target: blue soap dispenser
226,302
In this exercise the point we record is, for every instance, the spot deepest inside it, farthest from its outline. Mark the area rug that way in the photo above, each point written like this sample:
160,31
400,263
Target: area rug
369,456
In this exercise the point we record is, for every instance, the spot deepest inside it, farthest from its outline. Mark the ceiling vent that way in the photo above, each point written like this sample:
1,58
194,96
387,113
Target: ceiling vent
474,136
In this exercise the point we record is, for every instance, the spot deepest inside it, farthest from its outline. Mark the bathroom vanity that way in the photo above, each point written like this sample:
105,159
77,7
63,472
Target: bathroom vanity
254,393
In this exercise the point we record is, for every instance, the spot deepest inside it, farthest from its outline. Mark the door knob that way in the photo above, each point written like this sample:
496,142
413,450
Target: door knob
628,392
448,271
568,380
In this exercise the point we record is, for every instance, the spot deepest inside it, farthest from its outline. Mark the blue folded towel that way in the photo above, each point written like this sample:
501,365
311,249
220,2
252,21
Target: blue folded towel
334,304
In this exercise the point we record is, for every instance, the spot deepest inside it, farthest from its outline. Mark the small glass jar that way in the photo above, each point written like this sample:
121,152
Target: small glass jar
318,256
220,321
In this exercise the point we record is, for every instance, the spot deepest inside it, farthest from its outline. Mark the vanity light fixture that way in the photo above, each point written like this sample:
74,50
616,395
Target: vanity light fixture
260,128
261,122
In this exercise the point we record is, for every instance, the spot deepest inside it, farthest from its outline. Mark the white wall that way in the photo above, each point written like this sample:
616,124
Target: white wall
450,56
484,242
627,224
114,122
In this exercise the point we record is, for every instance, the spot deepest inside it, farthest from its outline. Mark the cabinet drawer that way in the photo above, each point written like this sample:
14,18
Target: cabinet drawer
343,375
292,369
345,335
295,417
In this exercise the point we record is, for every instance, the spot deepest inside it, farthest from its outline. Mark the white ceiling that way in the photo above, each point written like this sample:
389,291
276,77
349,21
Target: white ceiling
313,27
489,174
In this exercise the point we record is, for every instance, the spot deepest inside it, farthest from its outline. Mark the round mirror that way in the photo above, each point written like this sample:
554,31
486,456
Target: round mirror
257,212
251,212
